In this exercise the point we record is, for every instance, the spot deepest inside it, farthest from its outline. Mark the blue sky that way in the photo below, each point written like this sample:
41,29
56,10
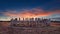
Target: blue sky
17,5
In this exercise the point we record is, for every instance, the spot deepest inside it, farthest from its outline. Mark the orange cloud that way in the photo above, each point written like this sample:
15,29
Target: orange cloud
31,13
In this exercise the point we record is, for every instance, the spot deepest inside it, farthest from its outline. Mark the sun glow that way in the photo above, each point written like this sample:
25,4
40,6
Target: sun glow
33,13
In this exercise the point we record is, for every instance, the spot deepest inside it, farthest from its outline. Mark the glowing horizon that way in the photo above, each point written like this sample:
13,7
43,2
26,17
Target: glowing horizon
33,13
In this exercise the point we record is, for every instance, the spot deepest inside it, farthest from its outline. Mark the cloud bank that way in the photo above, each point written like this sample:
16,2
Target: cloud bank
35,12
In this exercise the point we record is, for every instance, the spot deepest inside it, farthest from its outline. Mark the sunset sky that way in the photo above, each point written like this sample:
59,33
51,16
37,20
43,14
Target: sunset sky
29,8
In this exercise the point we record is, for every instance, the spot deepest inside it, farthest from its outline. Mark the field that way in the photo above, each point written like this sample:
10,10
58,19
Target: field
29,30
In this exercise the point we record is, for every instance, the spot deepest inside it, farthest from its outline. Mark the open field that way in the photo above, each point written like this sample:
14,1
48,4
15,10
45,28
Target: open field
6,29
29,30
